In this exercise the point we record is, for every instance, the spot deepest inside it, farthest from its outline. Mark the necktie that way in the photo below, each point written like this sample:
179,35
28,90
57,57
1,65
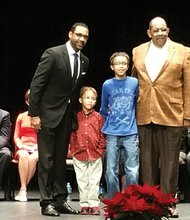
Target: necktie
75,70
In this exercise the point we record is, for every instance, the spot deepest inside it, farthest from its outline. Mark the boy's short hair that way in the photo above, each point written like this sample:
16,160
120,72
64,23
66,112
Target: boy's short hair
88,88
116,54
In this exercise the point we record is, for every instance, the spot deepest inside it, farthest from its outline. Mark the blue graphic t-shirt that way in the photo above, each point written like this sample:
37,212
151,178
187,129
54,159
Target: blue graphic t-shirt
118,105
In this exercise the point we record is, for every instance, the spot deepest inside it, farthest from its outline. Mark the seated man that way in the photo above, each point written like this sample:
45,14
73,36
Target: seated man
5,150
188,151
184,161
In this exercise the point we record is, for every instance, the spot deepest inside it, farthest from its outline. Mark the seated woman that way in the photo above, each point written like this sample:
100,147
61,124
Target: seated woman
26,150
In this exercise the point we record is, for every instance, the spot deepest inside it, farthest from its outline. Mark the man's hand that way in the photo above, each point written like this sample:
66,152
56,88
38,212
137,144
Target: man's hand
186,123
36,123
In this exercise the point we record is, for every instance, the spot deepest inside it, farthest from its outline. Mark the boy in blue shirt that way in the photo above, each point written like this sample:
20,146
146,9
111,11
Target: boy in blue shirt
118,104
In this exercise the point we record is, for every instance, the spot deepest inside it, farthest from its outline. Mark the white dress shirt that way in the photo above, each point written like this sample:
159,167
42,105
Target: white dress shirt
71,53
155,59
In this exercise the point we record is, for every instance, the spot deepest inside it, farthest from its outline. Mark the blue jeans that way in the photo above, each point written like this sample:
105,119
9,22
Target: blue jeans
131,161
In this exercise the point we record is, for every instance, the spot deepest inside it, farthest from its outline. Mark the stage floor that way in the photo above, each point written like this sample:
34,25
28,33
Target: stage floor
11,210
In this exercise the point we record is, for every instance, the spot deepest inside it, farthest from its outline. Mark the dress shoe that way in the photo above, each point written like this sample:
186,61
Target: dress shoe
94,211
84,211
67,209
50,210
173,212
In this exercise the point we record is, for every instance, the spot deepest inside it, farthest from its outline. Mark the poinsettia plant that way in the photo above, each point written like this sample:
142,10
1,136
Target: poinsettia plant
147,201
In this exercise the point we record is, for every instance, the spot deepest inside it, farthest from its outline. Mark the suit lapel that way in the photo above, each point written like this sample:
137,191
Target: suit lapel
171,52
66,60
81,64
142,57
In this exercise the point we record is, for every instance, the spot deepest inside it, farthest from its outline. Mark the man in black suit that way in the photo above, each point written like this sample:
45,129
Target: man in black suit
53,105
5,150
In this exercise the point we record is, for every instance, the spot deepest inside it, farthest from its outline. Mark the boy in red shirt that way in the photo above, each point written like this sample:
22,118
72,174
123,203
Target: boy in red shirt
88,146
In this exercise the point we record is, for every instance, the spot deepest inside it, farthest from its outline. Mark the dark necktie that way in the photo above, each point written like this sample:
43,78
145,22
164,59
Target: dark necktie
75,70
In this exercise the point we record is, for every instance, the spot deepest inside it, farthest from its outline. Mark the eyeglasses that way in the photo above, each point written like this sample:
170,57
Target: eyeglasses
120,63
89,98
79,35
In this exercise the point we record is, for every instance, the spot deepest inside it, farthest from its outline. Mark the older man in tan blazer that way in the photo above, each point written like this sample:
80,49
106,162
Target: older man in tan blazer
163,107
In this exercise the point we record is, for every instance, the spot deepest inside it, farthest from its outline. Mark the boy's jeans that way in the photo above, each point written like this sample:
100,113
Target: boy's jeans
131,161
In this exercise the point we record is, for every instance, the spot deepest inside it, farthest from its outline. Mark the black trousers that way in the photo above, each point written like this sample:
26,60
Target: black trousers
159,155
5,159
53,147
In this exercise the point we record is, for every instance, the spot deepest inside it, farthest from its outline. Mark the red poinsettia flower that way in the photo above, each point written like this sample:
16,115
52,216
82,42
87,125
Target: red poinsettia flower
117,200
146,200
163,198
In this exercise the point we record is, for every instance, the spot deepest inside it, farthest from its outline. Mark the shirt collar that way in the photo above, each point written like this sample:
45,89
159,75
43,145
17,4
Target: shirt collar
84,113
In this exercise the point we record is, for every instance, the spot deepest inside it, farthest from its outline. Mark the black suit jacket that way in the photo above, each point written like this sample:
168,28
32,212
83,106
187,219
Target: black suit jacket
51,87
5,128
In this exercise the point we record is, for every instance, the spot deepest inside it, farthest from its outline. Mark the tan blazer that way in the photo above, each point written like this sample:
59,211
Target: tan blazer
166,101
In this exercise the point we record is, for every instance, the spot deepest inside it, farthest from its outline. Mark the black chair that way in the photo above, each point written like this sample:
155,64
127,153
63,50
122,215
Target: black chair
11,180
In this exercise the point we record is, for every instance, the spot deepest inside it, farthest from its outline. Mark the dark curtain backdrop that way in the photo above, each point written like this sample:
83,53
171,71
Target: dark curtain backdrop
29,27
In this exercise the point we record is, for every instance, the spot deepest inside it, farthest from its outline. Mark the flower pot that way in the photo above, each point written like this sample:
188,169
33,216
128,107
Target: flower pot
127,218
132,217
